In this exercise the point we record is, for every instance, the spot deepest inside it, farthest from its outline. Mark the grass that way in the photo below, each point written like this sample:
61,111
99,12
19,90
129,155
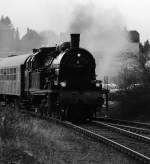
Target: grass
27,140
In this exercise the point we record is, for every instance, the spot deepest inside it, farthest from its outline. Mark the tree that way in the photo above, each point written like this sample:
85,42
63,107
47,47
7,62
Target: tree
146,47
135,70
31,40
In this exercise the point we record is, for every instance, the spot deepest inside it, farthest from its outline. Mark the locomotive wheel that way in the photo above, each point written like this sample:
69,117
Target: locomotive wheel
16,104
75,113
64,114
79,113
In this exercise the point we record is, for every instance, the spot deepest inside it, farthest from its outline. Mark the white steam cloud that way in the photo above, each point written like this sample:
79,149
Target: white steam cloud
102,33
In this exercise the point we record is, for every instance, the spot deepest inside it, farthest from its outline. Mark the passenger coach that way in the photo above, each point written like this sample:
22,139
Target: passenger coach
12,77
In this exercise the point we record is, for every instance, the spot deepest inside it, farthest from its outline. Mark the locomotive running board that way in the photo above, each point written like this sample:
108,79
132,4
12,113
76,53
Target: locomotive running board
40,92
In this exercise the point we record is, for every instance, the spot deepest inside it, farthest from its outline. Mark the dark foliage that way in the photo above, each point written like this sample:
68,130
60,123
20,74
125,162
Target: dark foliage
133,102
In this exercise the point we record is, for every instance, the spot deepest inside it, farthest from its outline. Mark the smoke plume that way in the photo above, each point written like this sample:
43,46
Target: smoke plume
102,33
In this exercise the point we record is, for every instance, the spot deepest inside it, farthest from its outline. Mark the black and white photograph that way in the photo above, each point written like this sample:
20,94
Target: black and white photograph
74,81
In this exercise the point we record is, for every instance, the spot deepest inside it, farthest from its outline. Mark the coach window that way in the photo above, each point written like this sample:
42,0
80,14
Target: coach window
14,70
0,74
7,74
11,71
14,73
4,73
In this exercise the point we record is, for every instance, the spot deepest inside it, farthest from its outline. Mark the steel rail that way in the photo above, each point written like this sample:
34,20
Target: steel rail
126,122
124,132
132,128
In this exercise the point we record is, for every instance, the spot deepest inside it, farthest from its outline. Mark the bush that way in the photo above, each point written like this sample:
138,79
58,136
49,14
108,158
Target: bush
8,119
133,102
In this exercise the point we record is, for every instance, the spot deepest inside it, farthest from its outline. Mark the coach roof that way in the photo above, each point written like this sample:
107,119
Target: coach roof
13,60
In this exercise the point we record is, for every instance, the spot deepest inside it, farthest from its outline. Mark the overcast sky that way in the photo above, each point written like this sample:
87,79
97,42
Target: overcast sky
56,14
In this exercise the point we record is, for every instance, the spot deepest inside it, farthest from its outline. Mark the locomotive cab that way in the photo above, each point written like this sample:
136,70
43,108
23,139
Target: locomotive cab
37,68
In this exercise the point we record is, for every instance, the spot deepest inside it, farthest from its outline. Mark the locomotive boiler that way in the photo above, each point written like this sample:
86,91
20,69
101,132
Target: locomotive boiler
56,81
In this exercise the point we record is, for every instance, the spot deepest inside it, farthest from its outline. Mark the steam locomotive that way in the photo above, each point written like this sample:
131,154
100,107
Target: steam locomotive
56,81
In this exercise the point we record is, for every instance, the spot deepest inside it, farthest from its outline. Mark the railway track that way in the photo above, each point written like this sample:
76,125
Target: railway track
127,131
133,145
124,122
138,127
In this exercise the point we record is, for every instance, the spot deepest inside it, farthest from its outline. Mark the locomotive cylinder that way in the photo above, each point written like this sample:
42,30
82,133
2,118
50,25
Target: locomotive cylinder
75,39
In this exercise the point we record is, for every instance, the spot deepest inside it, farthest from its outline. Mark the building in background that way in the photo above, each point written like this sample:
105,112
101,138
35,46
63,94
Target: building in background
134,41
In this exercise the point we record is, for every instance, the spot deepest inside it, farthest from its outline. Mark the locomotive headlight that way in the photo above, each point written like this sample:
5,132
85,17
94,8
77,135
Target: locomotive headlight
63,84
79,55
97,84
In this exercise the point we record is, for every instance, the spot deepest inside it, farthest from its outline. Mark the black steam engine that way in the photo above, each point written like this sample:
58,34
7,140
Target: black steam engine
57,81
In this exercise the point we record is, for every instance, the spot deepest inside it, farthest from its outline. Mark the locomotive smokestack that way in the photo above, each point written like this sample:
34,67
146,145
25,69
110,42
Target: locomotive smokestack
75,39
